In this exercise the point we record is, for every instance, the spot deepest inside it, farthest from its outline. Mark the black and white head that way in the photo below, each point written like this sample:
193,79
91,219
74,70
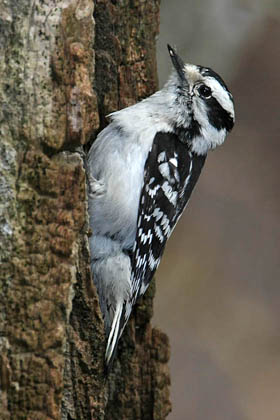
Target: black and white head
204,109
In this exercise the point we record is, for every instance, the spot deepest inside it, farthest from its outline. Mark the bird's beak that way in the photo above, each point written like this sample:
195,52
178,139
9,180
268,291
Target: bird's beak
178,65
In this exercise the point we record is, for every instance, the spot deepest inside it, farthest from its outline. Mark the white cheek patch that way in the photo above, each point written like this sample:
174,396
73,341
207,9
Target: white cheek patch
209,137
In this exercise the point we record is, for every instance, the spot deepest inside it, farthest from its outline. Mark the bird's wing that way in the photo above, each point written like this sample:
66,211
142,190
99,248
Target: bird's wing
170,174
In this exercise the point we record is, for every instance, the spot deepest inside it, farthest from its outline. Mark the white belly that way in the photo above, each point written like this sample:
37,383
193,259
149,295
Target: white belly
115,212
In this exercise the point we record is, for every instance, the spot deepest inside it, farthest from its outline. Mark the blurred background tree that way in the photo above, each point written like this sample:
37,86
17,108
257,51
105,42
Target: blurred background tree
218,284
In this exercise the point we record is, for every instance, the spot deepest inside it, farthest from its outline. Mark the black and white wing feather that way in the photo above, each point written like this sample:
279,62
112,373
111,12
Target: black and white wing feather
170,174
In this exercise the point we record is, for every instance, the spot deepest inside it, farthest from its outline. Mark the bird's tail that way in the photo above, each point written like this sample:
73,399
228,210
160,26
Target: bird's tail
111,269
114,336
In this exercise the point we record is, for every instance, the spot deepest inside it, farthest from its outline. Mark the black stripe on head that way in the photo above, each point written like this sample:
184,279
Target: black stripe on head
207,72
218,116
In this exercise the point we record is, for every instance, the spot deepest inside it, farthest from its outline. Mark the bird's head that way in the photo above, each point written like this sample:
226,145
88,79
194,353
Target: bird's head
204,106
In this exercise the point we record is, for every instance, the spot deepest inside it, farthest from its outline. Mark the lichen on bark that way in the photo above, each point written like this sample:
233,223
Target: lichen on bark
66,64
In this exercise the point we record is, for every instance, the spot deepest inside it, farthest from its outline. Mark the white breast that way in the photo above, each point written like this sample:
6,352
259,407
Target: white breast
117,158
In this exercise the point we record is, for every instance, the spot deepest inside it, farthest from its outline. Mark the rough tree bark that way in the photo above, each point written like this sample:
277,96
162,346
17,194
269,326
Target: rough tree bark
65,65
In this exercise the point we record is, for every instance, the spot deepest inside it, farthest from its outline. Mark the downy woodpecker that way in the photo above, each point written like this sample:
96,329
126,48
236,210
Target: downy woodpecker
142,169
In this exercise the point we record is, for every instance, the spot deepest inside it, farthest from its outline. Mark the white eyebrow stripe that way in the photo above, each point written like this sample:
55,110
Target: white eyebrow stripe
220,94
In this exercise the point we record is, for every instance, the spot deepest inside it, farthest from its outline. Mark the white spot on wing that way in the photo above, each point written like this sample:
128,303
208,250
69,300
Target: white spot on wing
153,262
165,171
145,237
170,194
174,162
161,157
157,214
165,225
152,191
159,234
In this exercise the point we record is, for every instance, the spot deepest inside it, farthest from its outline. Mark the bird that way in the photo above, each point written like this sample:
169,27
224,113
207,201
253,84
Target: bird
141,171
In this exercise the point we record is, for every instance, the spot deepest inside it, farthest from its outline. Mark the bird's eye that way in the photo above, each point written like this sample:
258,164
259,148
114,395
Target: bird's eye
204,91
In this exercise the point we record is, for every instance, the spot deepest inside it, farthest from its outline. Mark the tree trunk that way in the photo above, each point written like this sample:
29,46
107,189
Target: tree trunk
64,66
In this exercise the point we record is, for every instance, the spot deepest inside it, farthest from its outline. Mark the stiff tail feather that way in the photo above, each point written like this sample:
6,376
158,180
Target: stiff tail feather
114,336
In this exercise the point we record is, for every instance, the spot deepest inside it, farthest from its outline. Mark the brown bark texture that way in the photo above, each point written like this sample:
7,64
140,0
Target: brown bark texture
64,66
